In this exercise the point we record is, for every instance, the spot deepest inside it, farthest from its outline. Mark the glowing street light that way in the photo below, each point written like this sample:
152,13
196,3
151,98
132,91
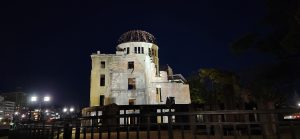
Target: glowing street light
299,104
65,110
71,109
47,99
40,104
33,99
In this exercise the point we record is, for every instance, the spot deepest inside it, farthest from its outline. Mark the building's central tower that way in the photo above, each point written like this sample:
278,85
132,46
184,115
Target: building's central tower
140,36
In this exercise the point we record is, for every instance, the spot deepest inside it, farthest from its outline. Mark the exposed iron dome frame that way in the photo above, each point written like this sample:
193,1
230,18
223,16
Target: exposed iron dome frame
137,36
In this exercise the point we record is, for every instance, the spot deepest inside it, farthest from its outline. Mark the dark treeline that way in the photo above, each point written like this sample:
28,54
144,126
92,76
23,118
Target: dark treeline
263,87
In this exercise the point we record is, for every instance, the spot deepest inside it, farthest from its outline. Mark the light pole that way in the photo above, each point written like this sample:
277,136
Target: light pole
33,99
40,104
68,111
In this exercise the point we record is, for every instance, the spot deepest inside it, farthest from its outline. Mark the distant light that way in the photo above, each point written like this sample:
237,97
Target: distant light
47,98
46,111
16,113
23,116
71,109
65,110
1,118
288,117
33,99
299,104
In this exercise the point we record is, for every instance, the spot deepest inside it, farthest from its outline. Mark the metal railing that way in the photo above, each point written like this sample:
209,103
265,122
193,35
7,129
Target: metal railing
166,124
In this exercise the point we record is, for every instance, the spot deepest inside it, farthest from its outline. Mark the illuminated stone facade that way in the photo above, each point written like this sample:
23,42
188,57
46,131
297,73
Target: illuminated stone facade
131,76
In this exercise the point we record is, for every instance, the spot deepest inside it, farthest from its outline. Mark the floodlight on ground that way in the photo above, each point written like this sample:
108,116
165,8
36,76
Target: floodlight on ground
47,99
71,109
33,99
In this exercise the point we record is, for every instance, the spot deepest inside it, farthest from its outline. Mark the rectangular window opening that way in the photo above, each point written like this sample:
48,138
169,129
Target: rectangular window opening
102,80
142,50
128,50
158,95
139,50
130,65
102,97
131,84
102,64
149,52
135,50
131,101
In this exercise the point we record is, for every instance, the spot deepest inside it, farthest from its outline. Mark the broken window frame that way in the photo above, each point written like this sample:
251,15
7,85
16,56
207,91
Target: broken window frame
130,65
102,80
128,50
102,64
101,100
131,101
131,84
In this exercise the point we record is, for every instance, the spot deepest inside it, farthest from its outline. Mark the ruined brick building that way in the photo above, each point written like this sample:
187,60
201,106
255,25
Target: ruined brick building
132,75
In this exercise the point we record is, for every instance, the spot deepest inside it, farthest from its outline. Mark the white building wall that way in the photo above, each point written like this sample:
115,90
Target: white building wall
117,73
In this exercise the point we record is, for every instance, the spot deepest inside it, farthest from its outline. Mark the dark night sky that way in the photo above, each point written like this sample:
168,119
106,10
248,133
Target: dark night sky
46,46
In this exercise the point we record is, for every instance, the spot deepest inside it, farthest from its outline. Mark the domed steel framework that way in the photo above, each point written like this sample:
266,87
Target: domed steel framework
136,36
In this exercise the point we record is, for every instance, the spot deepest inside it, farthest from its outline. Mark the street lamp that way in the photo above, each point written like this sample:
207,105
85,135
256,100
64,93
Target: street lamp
33,99
65,110
71,109
40,104
47,99
68,112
